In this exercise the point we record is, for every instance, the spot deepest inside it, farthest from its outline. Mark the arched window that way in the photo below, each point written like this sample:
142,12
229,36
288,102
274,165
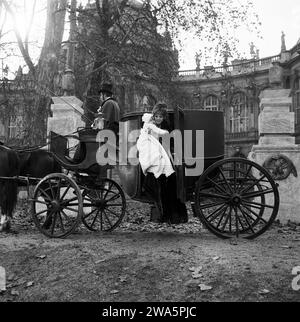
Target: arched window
211,103
241,114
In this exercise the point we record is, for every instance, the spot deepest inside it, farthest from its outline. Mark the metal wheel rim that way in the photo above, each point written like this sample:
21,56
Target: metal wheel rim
106,216
246,209
63,216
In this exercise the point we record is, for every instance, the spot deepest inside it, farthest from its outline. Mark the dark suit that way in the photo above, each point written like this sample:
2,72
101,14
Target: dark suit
111,113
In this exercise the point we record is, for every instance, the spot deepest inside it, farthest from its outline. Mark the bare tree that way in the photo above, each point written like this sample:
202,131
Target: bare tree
136,40
45,71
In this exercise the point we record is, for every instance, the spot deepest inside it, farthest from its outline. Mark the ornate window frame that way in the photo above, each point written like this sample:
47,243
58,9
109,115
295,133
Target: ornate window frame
240,111
211,103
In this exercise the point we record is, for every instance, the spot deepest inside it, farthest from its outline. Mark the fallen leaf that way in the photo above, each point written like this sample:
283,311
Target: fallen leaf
216,258
114,292
204,287
100,261
192,269
197,275
264,291
15,293
41,256
29,284
285,246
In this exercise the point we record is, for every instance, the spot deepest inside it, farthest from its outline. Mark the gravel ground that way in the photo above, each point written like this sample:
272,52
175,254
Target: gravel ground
144,261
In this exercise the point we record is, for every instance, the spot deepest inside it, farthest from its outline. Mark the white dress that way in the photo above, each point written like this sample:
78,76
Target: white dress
152,156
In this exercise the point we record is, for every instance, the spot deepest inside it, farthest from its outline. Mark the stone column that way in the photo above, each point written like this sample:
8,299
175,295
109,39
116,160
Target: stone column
277,145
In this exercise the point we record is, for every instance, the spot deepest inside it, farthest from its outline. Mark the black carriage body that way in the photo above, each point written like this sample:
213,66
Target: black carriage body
87,138
207,123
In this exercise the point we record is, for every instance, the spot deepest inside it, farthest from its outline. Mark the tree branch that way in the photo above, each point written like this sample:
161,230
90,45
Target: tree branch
23,50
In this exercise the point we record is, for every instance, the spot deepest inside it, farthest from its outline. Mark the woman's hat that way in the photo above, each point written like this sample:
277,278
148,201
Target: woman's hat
106,88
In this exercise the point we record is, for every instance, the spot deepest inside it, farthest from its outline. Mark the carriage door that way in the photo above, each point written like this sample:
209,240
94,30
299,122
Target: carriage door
178,157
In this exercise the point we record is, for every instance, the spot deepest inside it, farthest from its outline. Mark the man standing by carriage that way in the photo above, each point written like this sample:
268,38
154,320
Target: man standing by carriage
109,108
107,116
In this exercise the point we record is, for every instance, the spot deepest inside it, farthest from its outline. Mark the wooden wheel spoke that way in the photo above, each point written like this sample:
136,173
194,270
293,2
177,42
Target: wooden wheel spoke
221,218
42,202
236,222
115,214
246,175
221,189
250,217
226,220
108,190
212,195
210,205
65,192
101,221
58,189
91,204
51,188
114,204
61,222
256,205
255,214
215,213
66,217
41,212
247,221
256,182
71,204
257,193
90,213
234,175
94,220
114,197
225,180
69,200
53,223
71,209
107,219
239,219
45,195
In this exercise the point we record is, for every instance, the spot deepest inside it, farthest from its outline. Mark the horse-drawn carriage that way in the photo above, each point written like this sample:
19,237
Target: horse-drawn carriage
232,197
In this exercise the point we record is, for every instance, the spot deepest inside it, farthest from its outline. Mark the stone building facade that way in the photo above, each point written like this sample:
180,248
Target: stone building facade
15,96
235,90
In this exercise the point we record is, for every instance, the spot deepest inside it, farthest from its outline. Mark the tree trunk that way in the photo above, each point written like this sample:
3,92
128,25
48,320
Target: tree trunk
47,69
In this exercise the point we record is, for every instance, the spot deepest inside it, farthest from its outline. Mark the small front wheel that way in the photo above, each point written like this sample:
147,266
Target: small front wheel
56,205
104,205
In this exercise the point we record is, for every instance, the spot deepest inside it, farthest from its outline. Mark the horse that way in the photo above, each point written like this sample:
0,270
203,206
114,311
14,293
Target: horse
9,167
36,163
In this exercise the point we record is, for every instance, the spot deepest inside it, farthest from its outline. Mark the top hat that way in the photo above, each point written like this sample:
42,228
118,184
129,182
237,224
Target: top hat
106,88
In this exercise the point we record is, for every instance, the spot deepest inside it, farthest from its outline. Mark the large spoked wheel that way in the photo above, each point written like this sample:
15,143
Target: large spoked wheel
236,198
57,205
104,206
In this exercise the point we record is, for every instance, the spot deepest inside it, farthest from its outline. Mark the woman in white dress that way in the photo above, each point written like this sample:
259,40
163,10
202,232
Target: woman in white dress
157,166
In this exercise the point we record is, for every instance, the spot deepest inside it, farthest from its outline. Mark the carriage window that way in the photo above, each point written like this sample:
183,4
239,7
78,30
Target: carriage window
15,126
211,103
241,113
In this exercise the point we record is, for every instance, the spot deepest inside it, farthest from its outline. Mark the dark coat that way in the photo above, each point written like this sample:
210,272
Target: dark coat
111,113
